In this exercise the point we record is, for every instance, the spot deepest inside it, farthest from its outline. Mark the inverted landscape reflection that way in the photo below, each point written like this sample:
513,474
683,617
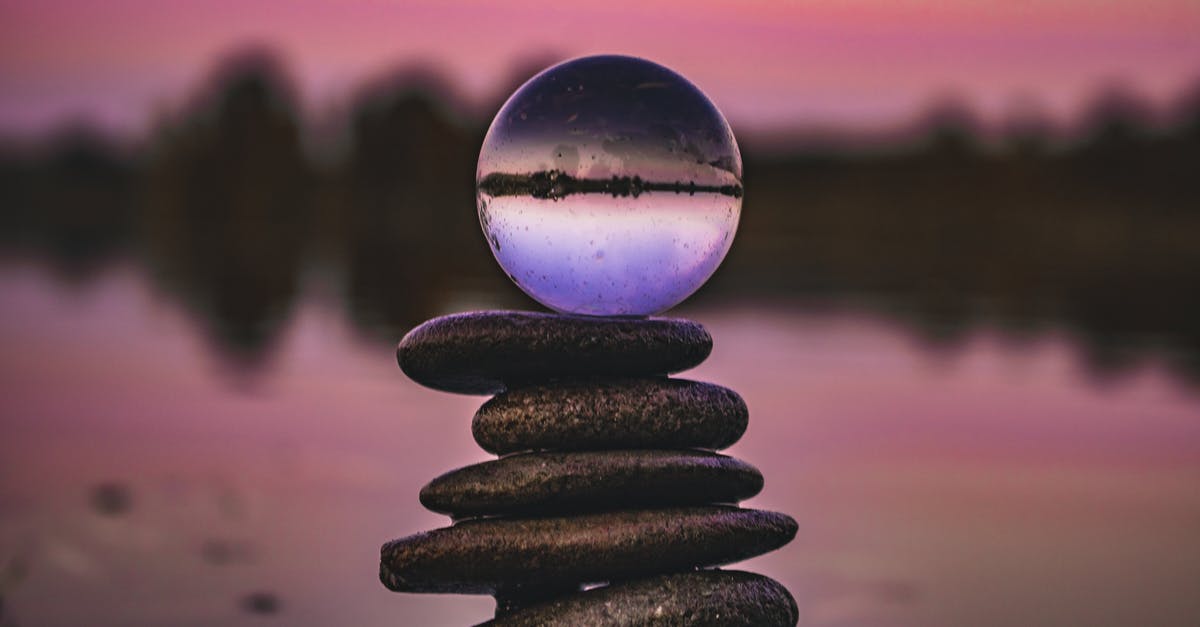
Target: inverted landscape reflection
601,257
609,185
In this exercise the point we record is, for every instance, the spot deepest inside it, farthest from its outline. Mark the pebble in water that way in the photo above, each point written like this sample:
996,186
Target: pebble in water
261,603
112,499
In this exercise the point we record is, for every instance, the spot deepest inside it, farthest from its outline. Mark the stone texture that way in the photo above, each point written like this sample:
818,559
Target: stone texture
727,598
609,414
482,556
602,480
510,599
589,480
487,352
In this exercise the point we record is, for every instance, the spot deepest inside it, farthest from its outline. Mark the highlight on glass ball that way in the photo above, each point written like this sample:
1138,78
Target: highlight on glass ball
609,186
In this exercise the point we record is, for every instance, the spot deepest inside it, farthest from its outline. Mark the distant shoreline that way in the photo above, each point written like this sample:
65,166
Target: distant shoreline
555,184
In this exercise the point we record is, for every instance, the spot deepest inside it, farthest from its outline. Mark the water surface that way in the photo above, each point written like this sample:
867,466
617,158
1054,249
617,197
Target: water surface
142,482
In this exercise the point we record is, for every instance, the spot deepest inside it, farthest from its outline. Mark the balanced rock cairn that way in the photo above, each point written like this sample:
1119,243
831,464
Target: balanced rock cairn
606,476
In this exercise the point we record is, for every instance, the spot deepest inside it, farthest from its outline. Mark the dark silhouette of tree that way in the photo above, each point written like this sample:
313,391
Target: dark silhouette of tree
1186,113
227,208
1028,132
950,128
946,231
75,202
408,189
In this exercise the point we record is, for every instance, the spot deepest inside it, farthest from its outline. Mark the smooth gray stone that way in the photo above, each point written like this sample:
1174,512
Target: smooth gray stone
486,352
713,597
483,556
611,414
588,480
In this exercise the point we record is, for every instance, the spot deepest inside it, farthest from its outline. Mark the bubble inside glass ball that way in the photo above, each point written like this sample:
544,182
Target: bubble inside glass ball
609,185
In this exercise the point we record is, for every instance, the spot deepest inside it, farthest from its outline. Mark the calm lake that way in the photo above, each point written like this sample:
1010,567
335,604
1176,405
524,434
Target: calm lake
143,481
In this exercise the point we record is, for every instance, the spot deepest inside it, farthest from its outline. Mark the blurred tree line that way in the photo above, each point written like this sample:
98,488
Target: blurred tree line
229,209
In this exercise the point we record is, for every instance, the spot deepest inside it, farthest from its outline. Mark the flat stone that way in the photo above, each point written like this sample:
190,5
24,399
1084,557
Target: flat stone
614,413
512,598
482,556
589,480
486,352
712,597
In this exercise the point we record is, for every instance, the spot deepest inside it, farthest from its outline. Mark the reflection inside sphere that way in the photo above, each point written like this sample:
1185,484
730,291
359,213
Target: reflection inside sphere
609,185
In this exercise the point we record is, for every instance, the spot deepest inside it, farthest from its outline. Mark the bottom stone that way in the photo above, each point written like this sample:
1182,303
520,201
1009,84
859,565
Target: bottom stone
696,598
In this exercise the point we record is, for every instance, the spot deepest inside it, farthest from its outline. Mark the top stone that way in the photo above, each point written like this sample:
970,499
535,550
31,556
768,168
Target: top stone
487,352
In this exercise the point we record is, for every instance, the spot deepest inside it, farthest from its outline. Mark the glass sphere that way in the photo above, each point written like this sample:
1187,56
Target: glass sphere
609,186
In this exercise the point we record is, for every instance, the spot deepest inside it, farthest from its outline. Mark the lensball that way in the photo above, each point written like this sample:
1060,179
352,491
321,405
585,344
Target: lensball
609,186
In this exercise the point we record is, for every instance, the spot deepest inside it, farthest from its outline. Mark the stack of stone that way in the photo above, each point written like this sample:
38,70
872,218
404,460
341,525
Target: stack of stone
606,476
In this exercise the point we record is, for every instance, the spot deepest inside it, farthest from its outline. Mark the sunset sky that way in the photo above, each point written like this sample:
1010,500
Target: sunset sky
857,64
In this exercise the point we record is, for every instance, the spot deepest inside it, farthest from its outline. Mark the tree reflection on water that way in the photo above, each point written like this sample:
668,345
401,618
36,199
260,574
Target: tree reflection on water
231,203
